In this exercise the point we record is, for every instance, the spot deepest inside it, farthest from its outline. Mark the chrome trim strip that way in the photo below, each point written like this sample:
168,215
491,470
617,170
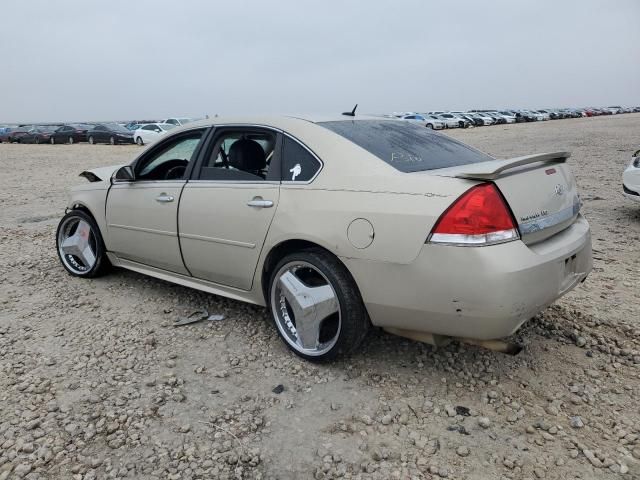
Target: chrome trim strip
223,183
145,230
560,216
218,240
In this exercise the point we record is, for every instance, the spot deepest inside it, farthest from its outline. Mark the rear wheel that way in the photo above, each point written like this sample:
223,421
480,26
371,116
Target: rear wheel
112,140
52,141
80,246
70,140
36,140
316,305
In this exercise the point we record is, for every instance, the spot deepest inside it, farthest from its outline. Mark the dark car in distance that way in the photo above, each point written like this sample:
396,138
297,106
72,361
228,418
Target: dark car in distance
38,134
112,133
16,134
4,134
71,133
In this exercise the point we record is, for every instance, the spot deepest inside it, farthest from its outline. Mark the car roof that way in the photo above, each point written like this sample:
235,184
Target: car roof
280,121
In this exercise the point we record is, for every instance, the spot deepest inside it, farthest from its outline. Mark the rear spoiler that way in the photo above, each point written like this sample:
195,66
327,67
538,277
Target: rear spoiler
492,169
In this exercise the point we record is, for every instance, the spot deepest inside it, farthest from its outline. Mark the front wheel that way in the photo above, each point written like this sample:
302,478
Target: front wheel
92,141
70,140
112,140
80,246
430,125
52,141
139,141
316,305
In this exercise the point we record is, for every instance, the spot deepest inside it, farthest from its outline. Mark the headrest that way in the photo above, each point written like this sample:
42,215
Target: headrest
247,155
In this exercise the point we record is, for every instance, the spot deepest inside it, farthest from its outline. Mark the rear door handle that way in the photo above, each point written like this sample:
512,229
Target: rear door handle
260,203
164,198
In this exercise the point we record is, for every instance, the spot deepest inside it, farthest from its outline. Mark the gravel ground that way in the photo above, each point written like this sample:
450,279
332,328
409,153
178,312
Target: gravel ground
95,382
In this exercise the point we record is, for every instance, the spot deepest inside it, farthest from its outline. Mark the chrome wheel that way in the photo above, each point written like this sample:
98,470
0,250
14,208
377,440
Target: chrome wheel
112,141
53,141
70,140
139,141
77,245
91,140
306,308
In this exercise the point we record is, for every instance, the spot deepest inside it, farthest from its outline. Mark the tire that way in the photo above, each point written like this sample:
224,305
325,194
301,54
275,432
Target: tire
36,140
340,332
70,141
52,141
139,141
77,265
112,140
429,125
92,140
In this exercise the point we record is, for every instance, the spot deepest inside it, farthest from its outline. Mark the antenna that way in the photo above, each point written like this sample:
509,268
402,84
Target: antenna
352,113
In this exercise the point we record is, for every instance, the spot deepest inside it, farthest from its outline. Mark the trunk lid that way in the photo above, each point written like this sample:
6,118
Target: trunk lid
540,190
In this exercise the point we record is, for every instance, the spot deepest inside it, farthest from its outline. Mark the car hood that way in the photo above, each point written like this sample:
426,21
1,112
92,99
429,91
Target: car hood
100,174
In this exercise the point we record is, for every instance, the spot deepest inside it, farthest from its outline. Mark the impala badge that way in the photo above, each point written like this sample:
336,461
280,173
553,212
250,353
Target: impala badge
560,189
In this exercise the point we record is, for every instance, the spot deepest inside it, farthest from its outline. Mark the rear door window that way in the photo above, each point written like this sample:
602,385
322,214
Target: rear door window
299,165
407,147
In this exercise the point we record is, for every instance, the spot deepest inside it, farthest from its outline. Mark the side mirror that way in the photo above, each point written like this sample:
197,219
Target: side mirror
123,174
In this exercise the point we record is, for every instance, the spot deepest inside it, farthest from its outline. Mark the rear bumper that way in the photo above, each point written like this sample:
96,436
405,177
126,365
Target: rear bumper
474,292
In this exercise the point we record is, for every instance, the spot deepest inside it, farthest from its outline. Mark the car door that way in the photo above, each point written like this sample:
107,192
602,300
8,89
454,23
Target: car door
61,135
142,214
150,133
226,211
98,133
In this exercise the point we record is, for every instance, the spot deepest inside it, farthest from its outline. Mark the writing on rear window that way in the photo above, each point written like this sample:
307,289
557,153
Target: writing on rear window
404,157
406,146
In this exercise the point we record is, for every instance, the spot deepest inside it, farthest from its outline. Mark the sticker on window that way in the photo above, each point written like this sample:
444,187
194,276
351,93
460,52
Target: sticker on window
296,170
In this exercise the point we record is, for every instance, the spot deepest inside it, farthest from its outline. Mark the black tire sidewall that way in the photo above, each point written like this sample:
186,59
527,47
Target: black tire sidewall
102,262
354,319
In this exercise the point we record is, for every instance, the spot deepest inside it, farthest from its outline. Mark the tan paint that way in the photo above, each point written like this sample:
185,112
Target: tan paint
467,292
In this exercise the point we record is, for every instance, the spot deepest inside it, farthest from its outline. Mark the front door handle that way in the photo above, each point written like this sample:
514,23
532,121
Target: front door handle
260,203
164,198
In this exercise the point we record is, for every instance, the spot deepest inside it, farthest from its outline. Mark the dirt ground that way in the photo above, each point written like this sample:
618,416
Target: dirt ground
95,382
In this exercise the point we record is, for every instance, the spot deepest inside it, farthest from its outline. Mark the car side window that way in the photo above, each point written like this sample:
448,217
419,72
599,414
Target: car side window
169,160
243,154
149,127
298,163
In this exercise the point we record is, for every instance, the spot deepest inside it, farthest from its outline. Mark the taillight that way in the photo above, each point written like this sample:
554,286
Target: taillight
479,217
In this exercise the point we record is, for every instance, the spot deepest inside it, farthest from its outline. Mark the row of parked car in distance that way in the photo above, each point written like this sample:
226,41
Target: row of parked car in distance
438,120
111,132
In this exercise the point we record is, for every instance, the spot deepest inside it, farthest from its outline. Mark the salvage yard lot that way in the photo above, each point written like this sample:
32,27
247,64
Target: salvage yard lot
95,382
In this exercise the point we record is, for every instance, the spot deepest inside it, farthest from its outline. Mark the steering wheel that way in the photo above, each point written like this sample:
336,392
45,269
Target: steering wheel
175,173
168,170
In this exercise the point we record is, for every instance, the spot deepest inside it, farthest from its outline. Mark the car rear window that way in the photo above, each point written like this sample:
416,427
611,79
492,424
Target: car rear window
406,146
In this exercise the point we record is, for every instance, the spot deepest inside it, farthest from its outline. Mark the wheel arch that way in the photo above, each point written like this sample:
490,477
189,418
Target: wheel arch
285,247
92,203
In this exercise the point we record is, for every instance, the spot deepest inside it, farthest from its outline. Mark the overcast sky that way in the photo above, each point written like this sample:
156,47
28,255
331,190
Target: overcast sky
69,60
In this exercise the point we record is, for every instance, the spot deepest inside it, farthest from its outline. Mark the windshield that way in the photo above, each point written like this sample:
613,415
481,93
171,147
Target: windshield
406,146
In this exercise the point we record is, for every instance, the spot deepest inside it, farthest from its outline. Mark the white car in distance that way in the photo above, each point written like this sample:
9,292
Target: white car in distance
151,132
429,121
178,122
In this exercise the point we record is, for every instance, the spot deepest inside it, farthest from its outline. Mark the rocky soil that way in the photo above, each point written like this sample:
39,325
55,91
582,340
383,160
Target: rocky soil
96,382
